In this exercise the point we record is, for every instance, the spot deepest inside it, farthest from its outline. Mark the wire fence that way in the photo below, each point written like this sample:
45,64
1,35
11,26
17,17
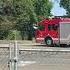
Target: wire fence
4,58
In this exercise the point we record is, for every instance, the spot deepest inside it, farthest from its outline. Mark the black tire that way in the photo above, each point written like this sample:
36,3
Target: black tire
49,42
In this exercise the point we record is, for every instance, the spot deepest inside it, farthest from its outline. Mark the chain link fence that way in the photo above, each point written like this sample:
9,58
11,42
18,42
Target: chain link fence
4,58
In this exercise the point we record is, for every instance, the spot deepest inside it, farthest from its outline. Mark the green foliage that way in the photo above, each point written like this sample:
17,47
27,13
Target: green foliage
3,34
26,29
15,14
66,5
43,8
14,35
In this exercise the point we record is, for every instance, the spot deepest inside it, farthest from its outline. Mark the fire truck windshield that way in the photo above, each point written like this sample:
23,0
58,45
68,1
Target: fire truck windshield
41,27
53,27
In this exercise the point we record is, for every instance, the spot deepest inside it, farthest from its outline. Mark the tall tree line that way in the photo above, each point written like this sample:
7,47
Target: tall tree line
20,15
66,5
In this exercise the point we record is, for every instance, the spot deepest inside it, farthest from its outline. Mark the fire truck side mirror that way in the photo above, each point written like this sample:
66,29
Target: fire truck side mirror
35,26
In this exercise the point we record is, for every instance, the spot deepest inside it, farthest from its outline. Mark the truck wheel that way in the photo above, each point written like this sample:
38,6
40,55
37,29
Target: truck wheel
49,42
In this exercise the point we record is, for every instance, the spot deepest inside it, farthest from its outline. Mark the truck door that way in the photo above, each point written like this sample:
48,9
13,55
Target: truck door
53,30
40,31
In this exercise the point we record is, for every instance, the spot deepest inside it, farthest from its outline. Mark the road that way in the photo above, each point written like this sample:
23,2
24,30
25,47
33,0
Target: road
45,67
32,57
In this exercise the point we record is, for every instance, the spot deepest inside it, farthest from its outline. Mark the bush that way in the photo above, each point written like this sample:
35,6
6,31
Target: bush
14,35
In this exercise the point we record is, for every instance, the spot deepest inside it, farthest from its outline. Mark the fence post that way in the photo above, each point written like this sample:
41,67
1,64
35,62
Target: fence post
15,55
10,61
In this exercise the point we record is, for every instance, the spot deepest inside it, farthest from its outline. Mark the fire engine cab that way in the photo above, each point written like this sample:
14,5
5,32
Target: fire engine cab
53,31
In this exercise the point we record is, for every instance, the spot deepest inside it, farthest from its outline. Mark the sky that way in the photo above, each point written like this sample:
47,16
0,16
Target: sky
57,10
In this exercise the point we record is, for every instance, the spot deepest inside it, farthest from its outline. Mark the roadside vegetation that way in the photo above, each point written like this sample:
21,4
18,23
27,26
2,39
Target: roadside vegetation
18,16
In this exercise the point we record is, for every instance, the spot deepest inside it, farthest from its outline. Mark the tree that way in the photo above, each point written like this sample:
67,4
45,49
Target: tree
66,5
22,14
43,8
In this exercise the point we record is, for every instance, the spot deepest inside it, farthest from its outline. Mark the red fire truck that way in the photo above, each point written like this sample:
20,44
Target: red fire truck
53,31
